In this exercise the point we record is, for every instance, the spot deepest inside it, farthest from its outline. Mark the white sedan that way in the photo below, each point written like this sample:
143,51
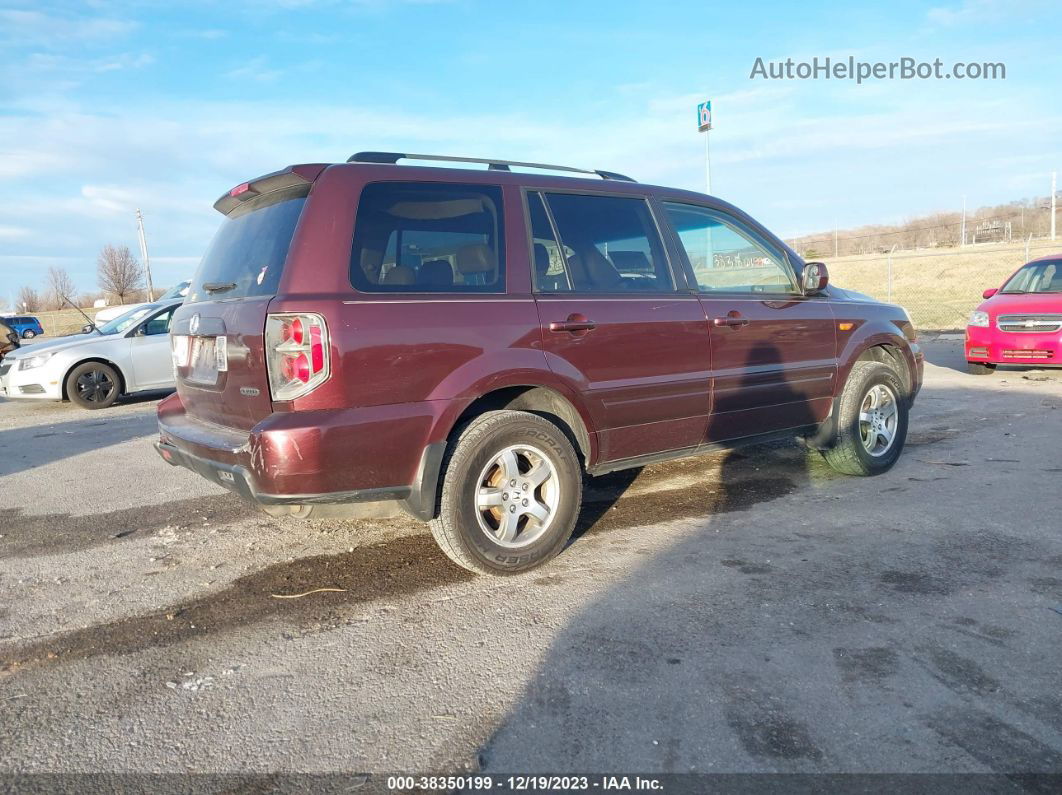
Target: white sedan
91,370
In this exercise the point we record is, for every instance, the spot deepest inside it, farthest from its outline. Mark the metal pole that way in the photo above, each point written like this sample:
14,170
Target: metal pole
890,273
962,229
707,164
835,238
144,253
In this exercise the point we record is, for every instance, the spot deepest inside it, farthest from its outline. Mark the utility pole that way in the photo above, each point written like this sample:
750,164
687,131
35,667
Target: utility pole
1054,200
962,229
835,238
144,253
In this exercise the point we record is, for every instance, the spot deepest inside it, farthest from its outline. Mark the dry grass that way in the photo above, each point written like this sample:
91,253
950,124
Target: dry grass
938,288
64,321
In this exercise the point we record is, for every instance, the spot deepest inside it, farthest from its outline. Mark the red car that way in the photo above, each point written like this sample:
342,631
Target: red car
466,344
1021,322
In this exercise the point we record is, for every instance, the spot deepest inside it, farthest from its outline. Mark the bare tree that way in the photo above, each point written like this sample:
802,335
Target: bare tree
29,300
118,271
60,286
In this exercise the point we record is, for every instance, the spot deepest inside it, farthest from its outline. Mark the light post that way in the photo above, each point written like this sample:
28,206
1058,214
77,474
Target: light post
144,253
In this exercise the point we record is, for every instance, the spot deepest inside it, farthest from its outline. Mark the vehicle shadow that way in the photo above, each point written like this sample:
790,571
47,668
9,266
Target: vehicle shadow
36,445
728,480
866,627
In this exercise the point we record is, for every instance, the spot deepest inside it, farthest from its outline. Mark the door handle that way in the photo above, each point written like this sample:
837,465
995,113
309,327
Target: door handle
734,320
575,323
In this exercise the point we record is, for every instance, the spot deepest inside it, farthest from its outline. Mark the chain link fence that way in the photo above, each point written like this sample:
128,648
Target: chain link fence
938,288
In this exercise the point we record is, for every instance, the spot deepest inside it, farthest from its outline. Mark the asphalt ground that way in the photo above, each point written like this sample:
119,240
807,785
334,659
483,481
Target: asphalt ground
749,611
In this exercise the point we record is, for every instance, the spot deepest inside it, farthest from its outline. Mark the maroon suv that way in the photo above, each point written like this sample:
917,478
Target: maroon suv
466,344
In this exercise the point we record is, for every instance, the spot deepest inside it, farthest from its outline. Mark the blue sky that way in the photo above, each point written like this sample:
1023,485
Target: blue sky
108,106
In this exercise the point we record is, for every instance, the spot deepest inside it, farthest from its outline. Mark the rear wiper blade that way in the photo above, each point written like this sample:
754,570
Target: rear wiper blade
219,287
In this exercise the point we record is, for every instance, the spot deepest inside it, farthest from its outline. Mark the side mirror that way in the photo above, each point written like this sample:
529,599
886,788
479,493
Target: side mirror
816,277
989,292
87,329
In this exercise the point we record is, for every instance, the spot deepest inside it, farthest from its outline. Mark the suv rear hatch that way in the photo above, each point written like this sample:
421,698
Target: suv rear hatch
217,336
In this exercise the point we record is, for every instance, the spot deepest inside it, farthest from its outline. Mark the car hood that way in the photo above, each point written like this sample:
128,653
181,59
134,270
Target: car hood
1023,304
63,344
850,295
111,312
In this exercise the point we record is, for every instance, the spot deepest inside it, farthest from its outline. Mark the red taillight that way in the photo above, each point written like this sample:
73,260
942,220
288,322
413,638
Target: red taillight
296,354
241,188
317,351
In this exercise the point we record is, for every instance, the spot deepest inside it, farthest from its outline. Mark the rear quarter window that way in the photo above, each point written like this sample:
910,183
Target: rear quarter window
246,256
428,237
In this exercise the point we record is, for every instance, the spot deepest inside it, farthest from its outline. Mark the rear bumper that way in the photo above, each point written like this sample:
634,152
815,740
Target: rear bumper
240,480
312,458
992,346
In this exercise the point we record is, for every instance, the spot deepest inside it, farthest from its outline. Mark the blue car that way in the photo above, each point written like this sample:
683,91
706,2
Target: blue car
27,326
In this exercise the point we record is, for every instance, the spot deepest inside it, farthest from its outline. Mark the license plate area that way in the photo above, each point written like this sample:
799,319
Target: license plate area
208,357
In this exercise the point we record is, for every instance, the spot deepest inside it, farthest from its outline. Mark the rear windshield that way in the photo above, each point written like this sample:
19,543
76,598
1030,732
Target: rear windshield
246,256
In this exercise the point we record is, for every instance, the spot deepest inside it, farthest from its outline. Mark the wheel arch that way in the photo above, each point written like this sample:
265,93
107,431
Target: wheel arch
544,401
101,360
891,356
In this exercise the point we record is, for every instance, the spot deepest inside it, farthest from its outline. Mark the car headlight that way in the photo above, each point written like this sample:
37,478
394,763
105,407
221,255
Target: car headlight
979,319
34,361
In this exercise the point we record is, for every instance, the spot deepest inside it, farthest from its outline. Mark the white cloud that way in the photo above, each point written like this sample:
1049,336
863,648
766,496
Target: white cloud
256,69
33,28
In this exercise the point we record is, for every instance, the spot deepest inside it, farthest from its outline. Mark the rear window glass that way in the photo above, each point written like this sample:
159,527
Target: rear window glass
428,237
246,256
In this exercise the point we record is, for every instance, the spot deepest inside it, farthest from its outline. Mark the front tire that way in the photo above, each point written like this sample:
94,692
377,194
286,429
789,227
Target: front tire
93,385
979,368
871,421
510,496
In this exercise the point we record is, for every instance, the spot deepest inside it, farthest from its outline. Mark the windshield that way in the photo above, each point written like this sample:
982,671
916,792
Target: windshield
1036,277
177,291
247,254
123,322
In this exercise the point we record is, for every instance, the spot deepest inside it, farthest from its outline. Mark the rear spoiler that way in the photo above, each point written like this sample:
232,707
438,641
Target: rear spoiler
285,178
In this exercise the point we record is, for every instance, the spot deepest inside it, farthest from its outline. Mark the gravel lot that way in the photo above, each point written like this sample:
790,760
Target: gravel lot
749,611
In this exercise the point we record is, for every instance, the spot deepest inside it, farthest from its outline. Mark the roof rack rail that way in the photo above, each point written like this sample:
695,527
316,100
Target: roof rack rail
492,164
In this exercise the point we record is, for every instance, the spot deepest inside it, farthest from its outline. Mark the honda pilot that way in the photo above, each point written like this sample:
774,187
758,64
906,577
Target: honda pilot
465,345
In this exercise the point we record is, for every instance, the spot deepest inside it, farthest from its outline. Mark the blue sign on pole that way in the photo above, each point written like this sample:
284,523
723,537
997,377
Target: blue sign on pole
704,116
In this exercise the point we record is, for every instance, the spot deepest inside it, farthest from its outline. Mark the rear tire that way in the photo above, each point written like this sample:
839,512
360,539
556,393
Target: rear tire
93,385
979,368
871,421
511,492
29,334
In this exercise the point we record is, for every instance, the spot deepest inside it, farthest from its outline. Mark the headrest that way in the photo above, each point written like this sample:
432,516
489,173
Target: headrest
541,259
630,260
400,274
436,272
475,258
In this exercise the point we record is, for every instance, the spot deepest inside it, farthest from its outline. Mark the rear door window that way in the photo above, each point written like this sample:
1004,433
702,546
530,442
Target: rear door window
611,244
246,257
428,237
